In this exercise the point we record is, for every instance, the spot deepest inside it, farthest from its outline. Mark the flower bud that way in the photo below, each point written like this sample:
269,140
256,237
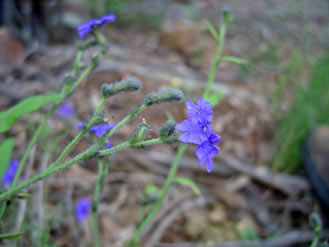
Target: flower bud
141,133
167,132
169,95
227,16
128,85
97,119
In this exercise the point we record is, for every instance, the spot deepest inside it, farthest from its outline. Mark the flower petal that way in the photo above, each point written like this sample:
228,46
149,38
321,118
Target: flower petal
205,153
193,133
213,138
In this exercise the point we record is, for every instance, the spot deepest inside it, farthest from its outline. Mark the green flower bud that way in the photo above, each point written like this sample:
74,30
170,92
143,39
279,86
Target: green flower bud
129,85
141,133
168,134
97,119
169,95
227,16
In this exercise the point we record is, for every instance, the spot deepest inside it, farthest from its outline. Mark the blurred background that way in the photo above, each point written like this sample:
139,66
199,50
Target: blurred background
273,118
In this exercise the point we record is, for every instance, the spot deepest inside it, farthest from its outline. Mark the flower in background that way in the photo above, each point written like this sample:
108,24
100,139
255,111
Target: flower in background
9,176
102,129
66,110
83,209
88,27
81,125
197,130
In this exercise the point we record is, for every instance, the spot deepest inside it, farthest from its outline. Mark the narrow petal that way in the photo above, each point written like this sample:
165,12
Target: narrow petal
205,109
210,165
213,138
205,153
192,109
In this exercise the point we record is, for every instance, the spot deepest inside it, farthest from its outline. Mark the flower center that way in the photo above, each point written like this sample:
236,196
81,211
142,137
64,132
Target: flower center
204,128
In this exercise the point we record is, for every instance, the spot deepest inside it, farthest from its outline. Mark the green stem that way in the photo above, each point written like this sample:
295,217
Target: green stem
158,205
88,154
97,192
127,144
77,62
216,61
75,140
130,116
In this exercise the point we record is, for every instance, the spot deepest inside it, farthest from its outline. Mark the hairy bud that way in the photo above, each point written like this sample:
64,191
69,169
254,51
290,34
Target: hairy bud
129,85
97,119
169,95
227,15
167,132
141,133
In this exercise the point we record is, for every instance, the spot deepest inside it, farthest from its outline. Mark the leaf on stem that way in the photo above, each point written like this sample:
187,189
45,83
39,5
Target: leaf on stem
6,149
215,98
9,118
188,183
12,236
234,60
212,30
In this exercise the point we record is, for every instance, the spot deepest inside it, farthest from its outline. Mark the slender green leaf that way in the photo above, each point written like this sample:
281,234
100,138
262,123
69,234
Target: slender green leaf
188,183
215,98
6,149
8,118
234,60
212,30
12,236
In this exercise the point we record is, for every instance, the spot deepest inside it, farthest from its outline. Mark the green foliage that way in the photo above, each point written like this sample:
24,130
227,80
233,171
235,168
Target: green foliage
8,118
6,149
309,109
215,98
249,234
188,183
12,236
234,60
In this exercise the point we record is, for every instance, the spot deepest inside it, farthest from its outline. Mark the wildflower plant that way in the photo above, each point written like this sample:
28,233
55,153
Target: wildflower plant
194,130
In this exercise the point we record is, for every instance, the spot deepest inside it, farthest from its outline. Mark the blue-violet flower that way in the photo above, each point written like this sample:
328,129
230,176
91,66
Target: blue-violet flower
83,209
88,27
102,129
9,176
197,130
66,110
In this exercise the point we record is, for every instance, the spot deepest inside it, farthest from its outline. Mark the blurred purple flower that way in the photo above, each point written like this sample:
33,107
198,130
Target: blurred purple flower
102,129
83,209
9,176
81,125
66,110
197,130
88,27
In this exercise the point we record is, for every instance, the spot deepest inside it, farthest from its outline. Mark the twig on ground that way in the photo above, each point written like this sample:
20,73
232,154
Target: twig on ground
294,238
288,184
172,216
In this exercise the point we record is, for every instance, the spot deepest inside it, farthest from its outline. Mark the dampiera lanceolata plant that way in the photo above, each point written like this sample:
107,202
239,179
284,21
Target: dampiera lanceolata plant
97,126
196,129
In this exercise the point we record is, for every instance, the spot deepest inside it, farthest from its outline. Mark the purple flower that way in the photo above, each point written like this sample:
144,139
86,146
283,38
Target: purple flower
9,176
81,125
102,129
83,209
197,130
88,27
66,110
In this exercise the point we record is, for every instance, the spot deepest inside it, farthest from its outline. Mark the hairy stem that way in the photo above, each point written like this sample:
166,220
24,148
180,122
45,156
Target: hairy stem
88,154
